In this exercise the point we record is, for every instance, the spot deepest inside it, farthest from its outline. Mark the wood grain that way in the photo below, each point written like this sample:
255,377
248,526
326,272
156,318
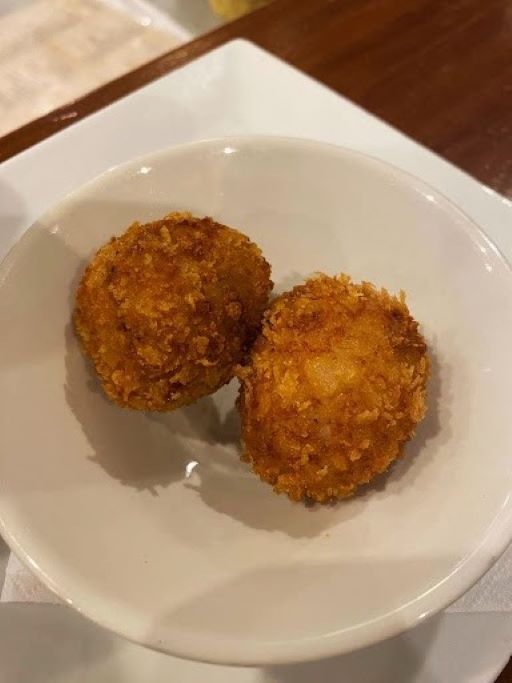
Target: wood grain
441,71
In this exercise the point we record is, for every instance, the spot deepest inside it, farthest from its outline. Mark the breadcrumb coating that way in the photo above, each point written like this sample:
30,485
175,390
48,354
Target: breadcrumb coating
335,386
168,309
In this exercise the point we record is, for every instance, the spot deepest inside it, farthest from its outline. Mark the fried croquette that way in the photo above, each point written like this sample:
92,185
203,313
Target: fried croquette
335,386
168,309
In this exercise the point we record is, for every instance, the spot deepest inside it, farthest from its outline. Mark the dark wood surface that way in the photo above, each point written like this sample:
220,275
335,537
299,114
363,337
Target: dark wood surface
506,674
440,70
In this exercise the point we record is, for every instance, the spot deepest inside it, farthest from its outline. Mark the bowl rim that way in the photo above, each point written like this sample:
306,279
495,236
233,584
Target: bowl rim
256,653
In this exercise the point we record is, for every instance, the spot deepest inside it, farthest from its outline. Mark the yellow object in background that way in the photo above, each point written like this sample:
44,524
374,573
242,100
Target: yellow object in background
231,9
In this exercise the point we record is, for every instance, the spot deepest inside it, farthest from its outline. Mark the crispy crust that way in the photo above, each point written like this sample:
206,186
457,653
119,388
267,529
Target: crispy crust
167,310
335,386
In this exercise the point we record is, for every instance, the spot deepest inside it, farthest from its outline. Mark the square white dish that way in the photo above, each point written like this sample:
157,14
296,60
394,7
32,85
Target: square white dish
265,96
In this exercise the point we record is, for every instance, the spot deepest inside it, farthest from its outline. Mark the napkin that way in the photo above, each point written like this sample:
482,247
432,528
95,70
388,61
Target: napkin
21,585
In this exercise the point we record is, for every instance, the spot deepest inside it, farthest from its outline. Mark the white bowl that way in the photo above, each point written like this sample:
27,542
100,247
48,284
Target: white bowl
150,525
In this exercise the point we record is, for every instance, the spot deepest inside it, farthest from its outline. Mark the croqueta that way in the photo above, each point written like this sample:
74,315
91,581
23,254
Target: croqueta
334,387
168,309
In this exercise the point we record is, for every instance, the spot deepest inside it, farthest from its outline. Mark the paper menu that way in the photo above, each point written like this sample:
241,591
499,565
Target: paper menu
53,51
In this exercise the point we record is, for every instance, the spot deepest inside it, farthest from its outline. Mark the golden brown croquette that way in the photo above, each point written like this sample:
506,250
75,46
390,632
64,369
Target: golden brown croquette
336,384
167,310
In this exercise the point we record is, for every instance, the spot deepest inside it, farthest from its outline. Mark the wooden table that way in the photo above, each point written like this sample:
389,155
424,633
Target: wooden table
440,70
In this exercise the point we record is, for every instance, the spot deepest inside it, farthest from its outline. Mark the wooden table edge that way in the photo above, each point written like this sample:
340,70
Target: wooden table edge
47,125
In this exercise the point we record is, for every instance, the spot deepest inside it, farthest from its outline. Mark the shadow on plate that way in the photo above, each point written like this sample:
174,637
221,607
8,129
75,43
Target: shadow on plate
200,446
142,450
197,445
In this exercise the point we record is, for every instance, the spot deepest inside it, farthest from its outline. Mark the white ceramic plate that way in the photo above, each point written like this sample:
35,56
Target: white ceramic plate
150,525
